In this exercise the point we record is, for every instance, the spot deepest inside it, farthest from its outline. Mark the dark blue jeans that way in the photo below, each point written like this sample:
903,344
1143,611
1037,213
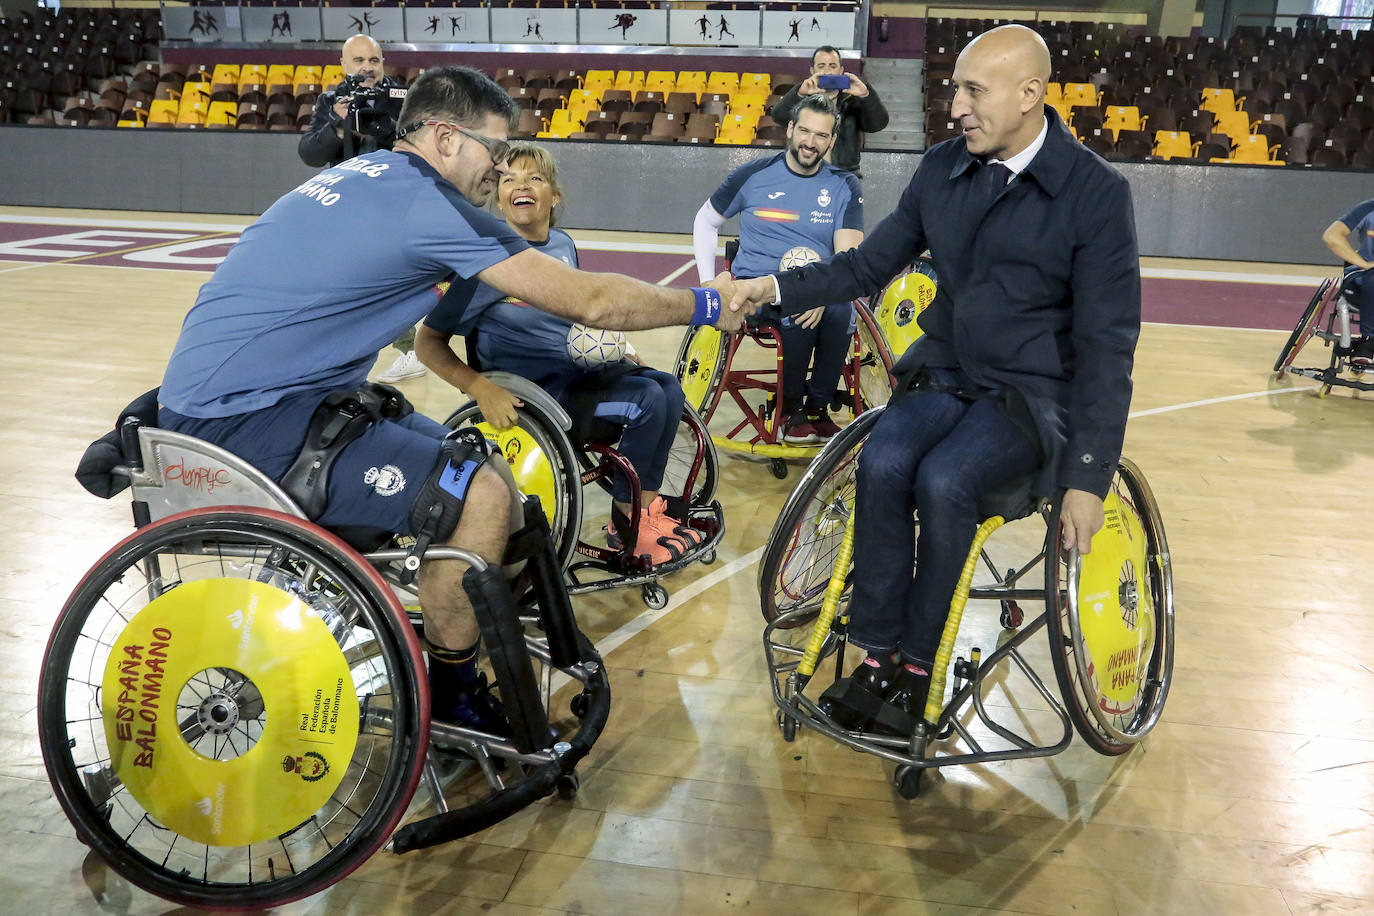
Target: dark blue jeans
930,456
1363,299
830,342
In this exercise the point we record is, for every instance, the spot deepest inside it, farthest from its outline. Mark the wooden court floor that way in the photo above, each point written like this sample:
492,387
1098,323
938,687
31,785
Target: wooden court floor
1254,796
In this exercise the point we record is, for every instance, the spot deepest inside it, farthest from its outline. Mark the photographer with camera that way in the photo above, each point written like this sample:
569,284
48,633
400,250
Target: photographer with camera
358,115
355,117
860,108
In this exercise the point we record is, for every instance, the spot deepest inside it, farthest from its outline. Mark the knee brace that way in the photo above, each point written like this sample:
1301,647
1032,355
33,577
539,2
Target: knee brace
439,504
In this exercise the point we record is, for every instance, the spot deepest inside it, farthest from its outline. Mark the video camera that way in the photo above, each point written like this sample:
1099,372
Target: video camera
372,110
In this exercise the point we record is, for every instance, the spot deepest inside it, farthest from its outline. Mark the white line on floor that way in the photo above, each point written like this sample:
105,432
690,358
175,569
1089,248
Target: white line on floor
677,273
1230,397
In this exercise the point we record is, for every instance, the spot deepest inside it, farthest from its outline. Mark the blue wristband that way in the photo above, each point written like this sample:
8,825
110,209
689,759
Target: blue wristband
707,309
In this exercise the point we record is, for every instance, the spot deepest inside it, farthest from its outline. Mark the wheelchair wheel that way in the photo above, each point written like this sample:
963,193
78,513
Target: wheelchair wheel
875,362
682,462
901,302
801,549
1311,318
542,462
231,709
701,364
1111,624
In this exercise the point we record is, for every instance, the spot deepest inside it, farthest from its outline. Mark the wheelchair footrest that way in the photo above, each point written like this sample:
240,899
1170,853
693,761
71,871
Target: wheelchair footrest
853,707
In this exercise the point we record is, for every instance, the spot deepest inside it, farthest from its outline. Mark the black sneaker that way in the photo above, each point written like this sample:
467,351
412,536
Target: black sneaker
475,707
875,674
909,692
1362,352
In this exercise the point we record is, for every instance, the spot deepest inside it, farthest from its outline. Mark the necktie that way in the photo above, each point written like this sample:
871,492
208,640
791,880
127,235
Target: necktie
991,179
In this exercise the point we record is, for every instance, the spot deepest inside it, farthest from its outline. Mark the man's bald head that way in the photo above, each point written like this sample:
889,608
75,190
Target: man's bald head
362,55
999,82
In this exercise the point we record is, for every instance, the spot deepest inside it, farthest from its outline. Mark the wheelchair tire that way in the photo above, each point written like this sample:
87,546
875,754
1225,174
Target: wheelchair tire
552,473
681,456
800,552
875,382
1113,696
216,778
1311,317
701,362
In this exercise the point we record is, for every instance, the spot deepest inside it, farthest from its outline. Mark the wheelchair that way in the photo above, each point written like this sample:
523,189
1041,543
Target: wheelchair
1109,617
554,458
1327,317
233,710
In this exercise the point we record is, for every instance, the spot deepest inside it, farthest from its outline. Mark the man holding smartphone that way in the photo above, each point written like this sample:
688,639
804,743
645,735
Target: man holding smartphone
861,112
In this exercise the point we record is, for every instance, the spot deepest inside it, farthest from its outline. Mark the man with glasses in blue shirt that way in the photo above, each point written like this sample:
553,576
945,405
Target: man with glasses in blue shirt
296,313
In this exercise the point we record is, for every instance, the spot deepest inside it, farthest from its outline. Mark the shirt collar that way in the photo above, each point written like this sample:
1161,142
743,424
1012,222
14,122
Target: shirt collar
1047,160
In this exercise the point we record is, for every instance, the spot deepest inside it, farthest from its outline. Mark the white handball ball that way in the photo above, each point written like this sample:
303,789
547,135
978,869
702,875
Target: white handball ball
798,257
592,348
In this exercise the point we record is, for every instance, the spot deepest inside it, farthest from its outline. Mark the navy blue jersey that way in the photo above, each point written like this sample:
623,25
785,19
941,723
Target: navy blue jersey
513,336
780,210
330,274
1360,220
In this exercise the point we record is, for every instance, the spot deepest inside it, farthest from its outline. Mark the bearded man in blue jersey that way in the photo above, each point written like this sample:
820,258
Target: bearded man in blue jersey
296,313
794,208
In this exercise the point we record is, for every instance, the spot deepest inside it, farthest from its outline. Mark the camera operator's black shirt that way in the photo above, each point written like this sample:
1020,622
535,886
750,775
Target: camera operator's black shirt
322,146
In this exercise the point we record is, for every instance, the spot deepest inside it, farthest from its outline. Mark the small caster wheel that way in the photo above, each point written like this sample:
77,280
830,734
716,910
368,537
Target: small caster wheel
580,705
789,729
655,596
1012,615
779,468
908,781
567,785
1323,391
709,557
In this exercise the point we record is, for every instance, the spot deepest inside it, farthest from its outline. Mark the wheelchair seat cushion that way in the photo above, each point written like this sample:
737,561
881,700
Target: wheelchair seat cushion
1012,500
581,397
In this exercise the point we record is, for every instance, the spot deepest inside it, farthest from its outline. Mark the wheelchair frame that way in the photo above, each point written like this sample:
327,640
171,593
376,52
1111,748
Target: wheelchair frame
573,467
240,524
792,667
762,424
1326,317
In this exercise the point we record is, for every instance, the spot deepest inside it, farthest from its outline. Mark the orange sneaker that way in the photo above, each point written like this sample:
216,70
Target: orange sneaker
671,527
660,547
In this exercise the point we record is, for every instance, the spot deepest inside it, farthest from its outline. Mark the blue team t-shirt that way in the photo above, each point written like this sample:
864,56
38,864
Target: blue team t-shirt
780,210
333,272
1360,219
513,336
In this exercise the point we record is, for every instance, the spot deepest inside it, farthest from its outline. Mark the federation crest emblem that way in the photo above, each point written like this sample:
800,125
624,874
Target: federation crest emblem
823,199
386,480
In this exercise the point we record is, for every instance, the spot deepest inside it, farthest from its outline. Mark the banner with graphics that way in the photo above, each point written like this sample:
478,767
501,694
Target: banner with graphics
447,25
382,23
533,26
787,29
715,28
622,27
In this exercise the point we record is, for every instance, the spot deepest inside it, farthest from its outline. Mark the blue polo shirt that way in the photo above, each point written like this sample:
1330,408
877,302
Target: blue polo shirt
333,272
513,336
1361,222
779,210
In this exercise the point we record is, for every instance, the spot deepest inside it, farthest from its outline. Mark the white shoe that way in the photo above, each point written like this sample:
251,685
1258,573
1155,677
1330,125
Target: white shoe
407,365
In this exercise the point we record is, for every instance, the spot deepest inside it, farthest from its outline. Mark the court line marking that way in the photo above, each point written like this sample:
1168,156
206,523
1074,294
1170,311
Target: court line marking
114,252
1221,400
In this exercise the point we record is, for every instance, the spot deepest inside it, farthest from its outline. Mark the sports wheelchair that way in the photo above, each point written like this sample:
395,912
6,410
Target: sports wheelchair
1109,616
1327,317
233,709
554,456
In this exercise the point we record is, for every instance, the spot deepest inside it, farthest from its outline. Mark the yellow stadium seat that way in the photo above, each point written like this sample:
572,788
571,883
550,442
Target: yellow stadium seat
308,73
1054,94
743,121
563,123
735,136
1174,144
1254,148
1080,95
632,80
1234,124
225,73
221,113
599,79
584,96
331,76
281,74
722,81
1065,113
1218,101
692,81
163,111
755,82
1122,117
664,81
742,102
136,122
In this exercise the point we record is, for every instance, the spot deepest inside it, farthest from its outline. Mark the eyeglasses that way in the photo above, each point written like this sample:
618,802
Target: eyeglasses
497,149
